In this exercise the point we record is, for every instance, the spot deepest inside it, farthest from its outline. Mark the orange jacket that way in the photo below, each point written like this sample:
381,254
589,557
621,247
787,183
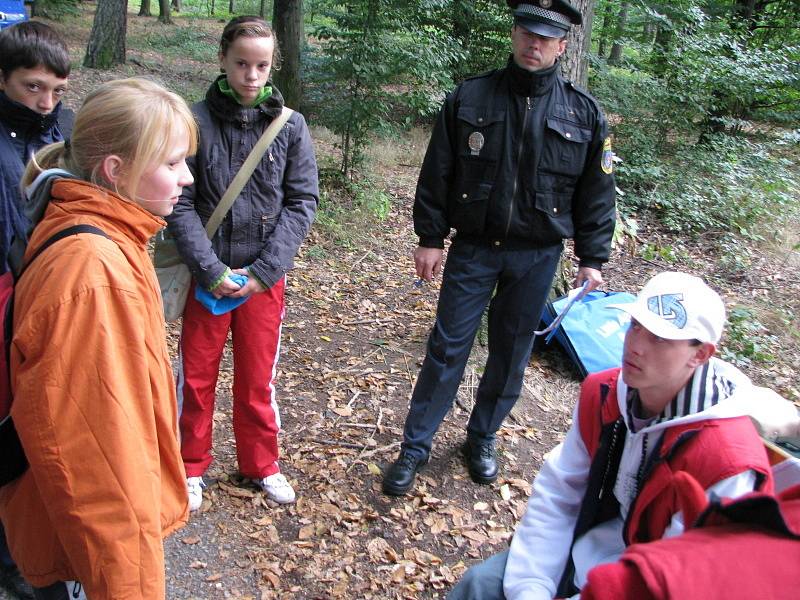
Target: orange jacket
94,405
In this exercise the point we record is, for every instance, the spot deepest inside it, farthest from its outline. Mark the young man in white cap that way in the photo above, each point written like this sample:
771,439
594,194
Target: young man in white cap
519,160
670,407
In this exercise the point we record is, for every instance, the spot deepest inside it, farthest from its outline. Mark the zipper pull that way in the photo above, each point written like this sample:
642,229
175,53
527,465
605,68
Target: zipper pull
271,158
528,101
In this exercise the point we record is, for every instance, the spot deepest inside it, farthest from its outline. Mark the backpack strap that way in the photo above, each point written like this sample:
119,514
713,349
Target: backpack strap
60,235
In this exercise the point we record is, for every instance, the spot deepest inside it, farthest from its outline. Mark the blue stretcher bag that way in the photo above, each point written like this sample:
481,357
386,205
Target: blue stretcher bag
591,334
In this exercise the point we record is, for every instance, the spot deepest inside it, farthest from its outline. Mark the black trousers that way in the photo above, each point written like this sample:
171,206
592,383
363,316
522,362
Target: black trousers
520,281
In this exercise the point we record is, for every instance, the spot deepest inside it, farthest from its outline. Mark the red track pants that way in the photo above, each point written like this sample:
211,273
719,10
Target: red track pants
256,333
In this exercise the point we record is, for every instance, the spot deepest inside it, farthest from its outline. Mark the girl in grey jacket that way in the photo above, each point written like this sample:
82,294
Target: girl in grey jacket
258,239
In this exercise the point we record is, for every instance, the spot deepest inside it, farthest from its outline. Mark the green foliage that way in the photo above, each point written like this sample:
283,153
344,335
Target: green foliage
178,41
746,340
727,187
56,9
379,67
692,74
349,208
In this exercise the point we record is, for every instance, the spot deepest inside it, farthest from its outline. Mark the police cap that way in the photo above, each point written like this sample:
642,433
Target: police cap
548,18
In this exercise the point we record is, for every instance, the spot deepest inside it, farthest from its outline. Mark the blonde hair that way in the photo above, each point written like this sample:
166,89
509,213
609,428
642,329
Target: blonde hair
134,119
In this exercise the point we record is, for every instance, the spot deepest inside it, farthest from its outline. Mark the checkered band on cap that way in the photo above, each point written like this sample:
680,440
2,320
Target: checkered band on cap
542,13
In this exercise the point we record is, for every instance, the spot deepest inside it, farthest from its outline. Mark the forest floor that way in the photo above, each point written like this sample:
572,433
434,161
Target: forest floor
353,339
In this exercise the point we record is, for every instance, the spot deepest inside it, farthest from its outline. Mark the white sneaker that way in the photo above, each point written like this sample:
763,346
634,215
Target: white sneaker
277,488
195,486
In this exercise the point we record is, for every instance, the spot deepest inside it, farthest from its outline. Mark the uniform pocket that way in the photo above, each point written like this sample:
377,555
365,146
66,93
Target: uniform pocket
566,145
480,133
556,209
468,206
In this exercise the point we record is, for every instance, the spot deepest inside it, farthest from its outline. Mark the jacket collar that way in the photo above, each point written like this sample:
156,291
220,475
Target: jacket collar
226,109
527,83
23,117
118,217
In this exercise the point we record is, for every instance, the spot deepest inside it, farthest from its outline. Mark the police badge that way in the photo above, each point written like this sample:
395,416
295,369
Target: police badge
475,142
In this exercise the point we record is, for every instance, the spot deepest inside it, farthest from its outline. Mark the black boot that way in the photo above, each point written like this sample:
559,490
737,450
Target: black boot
399,477
481,461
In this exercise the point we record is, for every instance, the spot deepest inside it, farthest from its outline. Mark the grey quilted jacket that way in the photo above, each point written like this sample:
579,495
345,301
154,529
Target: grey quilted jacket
268,221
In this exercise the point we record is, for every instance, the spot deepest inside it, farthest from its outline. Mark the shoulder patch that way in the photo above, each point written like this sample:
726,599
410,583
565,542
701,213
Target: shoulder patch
607,160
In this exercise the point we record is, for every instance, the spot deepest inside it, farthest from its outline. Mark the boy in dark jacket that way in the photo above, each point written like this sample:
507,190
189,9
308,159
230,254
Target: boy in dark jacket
34,71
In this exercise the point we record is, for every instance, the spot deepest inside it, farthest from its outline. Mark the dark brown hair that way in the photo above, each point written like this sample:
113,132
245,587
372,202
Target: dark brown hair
249,26
30,44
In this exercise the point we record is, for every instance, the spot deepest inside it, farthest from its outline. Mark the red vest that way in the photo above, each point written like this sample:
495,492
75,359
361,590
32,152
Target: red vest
709,450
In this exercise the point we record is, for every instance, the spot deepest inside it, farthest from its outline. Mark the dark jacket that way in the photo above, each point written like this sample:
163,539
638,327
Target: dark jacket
516,159
268,221
22,133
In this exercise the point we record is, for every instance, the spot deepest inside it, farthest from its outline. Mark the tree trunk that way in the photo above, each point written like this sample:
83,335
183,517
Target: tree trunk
163,11
177,5
605,31
144,9
106,45
622,22
574,64
231,7
287,19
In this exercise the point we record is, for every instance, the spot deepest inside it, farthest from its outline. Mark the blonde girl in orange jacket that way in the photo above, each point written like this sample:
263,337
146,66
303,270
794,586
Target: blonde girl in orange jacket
94,402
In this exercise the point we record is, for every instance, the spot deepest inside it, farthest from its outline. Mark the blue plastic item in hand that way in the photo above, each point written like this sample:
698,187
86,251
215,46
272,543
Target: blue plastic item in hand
219,306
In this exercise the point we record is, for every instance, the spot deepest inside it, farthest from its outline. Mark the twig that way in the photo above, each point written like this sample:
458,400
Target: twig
336,443
371,437
375,451
408,371
366,254
353,399
367,321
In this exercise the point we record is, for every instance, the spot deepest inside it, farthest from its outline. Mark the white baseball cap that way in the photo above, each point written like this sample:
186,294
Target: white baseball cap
677,306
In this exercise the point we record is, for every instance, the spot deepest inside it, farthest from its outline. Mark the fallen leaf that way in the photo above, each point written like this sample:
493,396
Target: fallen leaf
480,506
191,540
505,492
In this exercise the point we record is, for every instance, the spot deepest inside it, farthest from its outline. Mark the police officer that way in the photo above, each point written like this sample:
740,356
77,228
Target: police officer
519,160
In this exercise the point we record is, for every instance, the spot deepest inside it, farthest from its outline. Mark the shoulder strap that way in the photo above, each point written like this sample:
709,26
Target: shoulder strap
246,170
74,230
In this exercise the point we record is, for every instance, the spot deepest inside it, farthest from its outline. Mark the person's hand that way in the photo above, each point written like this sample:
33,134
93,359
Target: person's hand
228,287
593,276
428,262
253,286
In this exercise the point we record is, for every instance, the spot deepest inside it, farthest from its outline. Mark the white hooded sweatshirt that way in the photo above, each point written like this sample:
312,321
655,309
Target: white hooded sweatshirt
542,540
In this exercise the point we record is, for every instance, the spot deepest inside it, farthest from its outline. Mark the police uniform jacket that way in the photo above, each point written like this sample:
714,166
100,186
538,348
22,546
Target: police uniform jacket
519,159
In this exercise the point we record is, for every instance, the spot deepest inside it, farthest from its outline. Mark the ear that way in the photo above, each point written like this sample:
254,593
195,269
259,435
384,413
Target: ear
562,46
702,354
220,58
111,169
